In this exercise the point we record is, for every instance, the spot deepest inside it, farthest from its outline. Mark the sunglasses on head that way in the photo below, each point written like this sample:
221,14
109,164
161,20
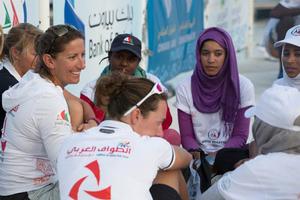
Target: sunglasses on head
59,31
156,89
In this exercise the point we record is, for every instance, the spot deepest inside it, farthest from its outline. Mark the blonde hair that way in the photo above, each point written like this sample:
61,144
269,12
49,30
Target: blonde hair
21,37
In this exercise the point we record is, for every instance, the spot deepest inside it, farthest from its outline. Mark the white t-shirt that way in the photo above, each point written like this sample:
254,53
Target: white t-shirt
111,158
209,127
37,121
89,89
266,177
287,81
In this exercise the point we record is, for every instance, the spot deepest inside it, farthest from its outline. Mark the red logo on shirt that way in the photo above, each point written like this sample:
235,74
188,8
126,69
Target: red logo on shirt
63,115
100,194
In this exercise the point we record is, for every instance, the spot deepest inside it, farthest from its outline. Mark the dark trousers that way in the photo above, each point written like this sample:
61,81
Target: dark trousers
19,196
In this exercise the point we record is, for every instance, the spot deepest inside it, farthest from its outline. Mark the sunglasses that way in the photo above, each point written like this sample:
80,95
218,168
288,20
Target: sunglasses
156,89
59,32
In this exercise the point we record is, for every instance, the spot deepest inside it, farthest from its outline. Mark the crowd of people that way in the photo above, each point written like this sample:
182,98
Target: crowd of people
115,141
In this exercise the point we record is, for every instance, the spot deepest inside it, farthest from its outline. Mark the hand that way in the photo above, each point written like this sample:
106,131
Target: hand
196,155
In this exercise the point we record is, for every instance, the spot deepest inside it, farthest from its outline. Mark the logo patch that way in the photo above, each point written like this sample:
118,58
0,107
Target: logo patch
213,134
128,40
99,194
63,118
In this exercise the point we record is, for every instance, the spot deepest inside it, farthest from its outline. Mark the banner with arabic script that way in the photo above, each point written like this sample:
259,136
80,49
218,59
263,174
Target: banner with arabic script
13,12
100,22
172,35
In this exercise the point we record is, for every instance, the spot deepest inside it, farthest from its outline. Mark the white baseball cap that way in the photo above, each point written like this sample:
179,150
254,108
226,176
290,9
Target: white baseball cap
278,106
292,36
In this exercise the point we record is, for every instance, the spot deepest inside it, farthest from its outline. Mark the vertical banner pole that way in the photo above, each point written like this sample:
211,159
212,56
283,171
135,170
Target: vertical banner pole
44,16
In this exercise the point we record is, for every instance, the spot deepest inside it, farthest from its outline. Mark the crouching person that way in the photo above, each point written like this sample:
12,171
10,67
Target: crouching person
125,156
274,173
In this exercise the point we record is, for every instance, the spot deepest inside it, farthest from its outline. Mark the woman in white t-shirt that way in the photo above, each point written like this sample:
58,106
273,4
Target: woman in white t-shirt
125,156
37,119
211,103
290,58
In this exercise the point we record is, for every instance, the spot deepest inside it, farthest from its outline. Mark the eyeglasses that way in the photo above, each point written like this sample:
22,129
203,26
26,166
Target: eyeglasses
59,32
156,89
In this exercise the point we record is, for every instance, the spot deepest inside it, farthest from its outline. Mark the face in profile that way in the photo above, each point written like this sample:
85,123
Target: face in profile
151,124
124,61
28,58
212,57
291,60
67,65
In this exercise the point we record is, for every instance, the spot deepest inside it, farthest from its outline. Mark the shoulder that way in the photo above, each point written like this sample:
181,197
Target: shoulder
245,82
158,145
89,89
90,85
155,79
246,91
185,84
280,81
152,77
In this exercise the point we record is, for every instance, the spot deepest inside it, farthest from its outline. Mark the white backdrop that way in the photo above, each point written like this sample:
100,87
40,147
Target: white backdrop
17,11
102,21
235,16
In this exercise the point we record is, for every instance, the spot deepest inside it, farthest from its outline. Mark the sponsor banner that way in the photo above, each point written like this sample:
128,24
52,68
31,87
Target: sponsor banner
17,11
232,15
172,35
100,22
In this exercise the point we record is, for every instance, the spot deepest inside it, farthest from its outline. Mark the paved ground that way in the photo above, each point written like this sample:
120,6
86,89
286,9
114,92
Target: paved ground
258,67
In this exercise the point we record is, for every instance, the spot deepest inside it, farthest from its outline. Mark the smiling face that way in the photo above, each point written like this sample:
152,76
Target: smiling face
68,64
151,124
212,57
124,61
291,60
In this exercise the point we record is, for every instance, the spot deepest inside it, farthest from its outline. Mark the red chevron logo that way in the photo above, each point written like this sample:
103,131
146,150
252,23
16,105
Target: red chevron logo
100,194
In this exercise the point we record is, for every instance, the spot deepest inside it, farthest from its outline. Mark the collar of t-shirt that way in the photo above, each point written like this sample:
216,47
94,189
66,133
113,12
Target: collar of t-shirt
11,69
112,126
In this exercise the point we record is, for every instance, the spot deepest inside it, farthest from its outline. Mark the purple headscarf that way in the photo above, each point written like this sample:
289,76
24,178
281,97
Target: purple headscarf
222,91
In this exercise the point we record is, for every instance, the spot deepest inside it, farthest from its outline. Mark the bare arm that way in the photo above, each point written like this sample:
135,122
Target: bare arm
82,115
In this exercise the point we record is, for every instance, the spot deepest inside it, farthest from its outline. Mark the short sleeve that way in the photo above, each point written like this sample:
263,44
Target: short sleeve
247,92
183,96
89,90
163,152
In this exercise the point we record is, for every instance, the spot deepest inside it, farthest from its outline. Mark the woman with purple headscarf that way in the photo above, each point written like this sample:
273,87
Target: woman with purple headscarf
211,103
